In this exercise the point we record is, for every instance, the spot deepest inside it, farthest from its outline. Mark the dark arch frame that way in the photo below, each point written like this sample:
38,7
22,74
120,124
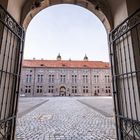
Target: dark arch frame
100,8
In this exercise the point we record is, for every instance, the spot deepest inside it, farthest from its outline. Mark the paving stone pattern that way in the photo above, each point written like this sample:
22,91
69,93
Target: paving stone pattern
65,119
103,104
29,103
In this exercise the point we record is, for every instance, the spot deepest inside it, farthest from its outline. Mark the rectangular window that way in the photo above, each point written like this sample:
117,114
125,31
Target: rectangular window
28,78
85,89
96,78
108,90
39,78
96,90
85,78
62,78
27,89
51,78
107,79
39,89
51,89
74,89
74,79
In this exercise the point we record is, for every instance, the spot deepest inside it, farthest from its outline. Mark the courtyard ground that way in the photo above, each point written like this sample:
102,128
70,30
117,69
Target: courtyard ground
66,118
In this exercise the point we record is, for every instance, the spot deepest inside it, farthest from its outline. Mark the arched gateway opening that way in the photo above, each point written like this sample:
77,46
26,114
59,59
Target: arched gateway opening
124,53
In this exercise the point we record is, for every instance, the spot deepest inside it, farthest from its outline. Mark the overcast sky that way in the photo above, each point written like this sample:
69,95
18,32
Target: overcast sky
69,30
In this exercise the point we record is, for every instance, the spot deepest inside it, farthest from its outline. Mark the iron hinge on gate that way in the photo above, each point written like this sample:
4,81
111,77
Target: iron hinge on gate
21,52
114,92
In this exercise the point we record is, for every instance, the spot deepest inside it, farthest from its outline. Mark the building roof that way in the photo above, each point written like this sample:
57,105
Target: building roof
65,64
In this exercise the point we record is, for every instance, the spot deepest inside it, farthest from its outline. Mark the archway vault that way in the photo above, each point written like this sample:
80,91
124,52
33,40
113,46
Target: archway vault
99,8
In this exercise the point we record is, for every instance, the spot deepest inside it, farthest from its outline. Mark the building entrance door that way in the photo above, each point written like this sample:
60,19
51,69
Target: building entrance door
62,91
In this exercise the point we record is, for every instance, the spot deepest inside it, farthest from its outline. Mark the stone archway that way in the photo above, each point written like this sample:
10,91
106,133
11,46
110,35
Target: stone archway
99,8
111,13
102,11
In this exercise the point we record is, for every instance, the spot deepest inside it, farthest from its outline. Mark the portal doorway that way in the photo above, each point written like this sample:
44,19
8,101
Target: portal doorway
62,91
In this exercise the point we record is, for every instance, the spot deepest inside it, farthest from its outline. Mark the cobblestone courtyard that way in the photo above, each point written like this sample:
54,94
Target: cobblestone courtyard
65,118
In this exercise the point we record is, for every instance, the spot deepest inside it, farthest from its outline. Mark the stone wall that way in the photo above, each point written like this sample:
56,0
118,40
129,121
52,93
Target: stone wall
98,82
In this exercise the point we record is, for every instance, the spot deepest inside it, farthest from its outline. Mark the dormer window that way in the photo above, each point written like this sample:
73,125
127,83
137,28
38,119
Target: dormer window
41,64
85,65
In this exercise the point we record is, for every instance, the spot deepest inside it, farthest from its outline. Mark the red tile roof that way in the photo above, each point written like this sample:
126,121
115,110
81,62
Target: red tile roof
65,63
